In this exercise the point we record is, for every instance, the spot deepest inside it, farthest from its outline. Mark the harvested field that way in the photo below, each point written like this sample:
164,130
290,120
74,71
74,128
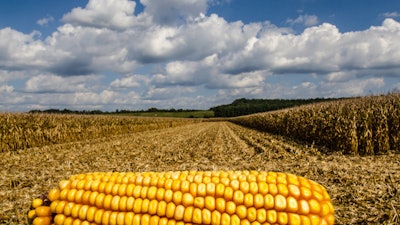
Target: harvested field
364,190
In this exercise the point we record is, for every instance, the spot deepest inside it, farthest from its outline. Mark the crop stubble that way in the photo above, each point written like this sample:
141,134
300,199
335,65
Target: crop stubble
365,190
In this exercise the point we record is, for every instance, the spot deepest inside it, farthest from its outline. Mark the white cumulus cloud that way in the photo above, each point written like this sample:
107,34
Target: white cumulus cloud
391,14
306,20
183,53
117,14
44,21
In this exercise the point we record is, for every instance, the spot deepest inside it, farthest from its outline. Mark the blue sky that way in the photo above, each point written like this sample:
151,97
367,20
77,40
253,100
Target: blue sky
121,54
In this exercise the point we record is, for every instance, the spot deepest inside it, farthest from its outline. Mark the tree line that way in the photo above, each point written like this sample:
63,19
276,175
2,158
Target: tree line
244,106
117,111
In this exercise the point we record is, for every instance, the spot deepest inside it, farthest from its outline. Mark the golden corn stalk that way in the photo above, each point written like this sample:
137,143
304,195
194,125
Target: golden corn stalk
185,197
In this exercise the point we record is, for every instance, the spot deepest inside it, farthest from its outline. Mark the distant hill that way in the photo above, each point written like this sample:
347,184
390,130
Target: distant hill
244,106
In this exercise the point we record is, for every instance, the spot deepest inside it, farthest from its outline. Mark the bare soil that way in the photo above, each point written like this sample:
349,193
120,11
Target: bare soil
364,190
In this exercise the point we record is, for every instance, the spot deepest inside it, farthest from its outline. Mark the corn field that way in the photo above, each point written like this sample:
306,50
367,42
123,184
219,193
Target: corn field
361,126
364,190
22,130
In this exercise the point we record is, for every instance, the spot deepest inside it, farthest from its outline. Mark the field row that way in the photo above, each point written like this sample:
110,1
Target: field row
360,126
22,131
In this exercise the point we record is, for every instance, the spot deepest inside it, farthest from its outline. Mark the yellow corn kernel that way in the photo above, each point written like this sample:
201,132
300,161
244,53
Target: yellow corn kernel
83,212
145,205
244,187
179,212
261,215
197,216
280,203
42,220
59,219
263,188
161,208
251,214
241,211
199,202
128,219
201,190
210,189
225,219
177,197
153,207
248,200
292,204
238,197
107,202
215,218
143,192
294,218
258,201
122,189
282,218
235,184
253,187
269,201
123,204
220,204
315,207
168,195
306,193
230,208
130,203
105,219
219,190
273,189
43,211
209,203
113,218
78,196
206,216
69,221
272,216
137,206
85,197
145,219
91,213
187,199
98,216
188,214
64,184
170,210
303,207
75,210
31,215
53,195
162,221
115,202
235,220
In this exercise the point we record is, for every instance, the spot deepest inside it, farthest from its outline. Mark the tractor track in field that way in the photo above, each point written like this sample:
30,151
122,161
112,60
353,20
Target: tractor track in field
364,190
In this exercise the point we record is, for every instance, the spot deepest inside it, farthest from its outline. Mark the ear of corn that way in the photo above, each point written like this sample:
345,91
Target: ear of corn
205,197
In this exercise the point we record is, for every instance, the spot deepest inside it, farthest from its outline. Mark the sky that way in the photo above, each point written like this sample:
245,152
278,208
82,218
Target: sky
193,54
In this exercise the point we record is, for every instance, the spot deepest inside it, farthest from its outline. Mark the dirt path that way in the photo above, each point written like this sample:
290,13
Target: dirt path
365,190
